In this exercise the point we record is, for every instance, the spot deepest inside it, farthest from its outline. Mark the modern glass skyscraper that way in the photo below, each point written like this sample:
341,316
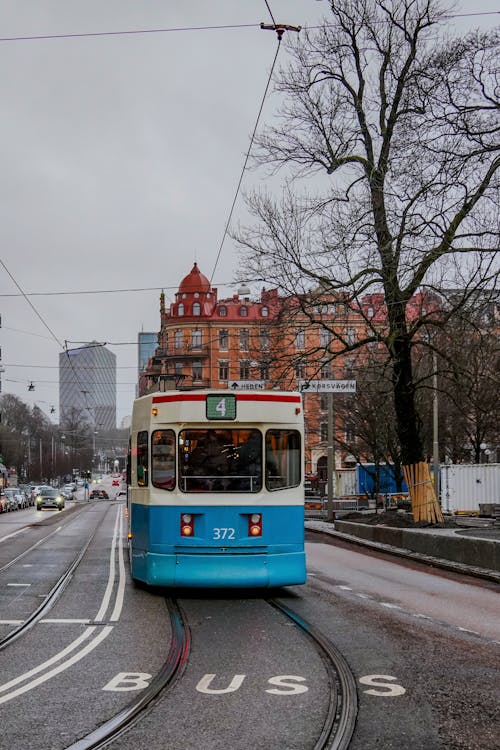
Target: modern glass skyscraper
87,386
147,343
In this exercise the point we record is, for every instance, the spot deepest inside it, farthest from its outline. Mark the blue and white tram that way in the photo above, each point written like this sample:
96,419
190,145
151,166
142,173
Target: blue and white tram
216,494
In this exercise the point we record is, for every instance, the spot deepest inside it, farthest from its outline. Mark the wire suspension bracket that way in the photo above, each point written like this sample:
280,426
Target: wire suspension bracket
279,28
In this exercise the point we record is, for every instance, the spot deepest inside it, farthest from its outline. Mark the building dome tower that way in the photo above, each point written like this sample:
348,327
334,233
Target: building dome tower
195,296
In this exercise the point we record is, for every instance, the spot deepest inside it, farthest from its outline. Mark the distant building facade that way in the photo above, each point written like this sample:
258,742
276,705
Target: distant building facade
277,342
87,387
147,342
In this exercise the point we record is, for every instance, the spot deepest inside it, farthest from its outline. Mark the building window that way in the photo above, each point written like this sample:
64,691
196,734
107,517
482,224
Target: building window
244,369
223,369
300,370
350,432
180,310
325,338
300,339
264,341
196,339
178,368
196,308
323,431
349,366
323,403
244,339
351,336
224,339
264,371
222,311
197,371
243,312
326,371
369,312
264,311
178,339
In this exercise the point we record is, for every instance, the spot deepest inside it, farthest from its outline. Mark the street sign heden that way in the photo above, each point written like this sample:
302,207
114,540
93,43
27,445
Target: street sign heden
248,385
327,386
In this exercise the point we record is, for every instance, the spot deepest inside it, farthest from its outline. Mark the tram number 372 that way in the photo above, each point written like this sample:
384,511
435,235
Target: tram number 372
223,533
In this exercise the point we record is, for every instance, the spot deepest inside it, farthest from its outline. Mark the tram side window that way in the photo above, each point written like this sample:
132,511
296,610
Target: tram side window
163,459
283,459
142,458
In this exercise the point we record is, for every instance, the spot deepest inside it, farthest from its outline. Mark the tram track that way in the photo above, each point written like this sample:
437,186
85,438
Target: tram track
171,670
54,592
19,557
339,722
340,718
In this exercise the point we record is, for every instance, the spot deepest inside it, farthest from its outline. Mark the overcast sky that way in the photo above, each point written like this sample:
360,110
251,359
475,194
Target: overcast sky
119,159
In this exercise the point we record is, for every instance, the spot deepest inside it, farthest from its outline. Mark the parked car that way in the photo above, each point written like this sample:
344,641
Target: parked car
3,503
48,497
15,500
26,490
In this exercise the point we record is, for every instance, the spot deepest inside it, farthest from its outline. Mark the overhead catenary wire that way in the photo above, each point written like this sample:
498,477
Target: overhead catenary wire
53,335
184,29
245,162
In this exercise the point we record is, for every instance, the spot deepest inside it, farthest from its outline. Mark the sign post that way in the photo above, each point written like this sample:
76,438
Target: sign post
330,387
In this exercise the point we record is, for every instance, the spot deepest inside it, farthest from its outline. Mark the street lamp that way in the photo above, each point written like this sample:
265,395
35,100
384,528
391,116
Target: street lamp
482,448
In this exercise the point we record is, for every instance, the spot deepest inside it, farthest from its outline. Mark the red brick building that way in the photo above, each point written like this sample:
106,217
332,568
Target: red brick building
206,342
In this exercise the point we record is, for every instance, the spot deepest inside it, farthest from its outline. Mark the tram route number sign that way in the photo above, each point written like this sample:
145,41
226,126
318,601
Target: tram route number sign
220,406
327,386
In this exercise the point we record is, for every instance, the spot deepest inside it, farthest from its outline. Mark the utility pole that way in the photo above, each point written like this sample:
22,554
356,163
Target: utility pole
330,462
435,427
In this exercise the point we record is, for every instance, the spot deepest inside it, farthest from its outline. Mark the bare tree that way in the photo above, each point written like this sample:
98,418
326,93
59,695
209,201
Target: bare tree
399,128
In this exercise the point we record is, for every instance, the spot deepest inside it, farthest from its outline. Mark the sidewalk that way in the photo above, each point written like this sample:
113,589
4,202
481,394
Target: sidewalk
469,551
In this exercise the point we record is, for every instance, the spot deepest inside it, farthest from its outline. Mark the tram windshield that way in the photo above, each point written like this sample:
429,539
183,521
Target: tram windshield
220,460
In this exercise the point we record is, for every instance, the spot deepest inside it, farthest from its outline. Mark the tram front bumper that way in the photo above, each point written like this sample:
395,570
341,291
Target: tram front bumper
221,570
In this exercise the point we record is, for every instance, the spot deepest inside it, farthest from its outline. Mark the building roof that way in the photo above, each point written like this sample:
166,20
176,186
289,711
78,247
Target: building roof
195,281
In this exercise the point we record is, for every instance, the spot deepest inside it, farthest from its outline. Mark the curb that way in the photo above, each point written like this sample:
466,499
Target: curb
322,527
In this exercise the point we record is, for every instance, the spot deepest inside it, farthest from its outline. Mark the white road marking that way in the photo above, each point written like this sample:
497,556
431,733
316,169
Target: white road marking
73,660
11,622
391,606
77,643
67,621
46,664
121,579
111,577
9,536
19,584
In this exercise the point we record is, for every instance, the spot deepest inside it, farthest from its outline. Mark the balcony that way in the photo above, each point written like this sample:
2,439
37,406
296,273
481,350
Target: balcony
186,350
174,382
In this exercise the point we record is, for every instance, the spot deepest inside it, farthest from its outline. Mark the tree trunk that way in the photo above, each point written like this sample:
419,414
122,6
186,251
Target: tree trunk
404,400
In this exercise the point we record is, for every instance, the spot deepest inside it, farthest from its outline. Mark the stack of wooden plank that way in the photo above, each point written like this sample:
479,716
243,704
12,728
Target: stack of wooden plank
424,504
